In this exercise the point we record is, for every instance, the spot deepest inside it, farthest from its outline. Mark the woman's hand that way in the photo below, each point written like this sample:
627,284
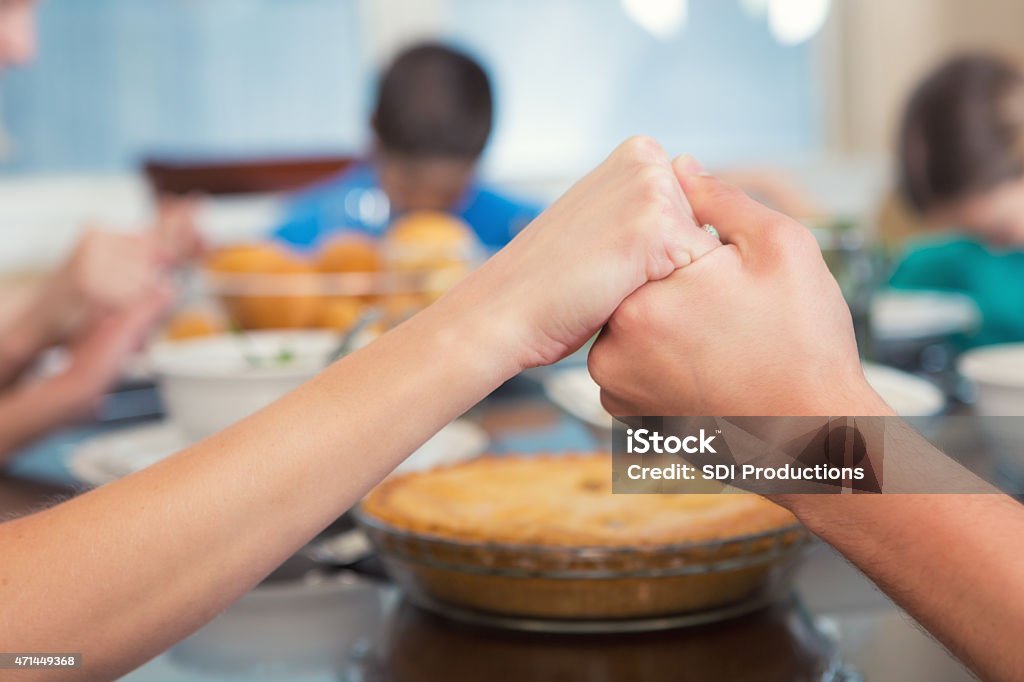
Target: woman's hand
757,327
559,280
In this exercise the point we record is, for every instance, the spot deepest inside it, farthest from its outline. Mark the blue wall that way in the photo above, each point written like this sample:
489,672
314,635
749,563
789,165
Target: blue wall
118,78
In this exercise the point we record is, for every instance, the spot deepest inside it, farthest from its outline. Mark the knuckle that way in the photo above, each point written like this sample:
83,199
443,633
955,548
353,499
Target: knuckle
795,241
597,363
805,242
652,187
611,404
647,312
631,314
642,148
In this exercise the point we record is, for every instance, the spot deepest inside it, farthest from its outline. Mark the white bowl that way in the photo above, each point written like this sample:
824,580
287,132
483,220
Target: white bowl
908,395
997,377
210,383
908,315
997,374
576,392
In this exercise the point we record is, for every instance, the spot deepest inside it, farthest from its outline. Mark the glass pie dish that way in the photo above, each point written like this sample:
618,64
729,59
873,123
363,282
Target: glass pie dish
589,589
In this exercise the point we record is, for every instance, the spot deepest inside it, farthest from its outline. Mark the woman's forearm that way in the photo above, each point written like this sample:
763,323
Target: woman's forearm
205,526
123,572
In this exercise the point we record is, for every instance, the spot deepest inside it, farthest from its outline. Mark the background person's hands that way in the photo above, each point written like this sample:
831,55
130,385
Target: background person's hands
559,280
757,327
96,360
33,409
105,272
178,238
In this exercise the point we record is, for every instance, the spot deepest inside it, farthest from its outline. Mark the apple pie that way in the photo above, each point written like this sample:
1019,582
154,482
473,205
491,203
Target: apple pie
545,537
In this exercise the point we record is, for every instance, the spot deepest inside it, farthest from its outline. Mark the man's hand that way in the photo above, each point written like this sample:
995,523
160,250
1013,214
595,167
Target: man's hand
757,327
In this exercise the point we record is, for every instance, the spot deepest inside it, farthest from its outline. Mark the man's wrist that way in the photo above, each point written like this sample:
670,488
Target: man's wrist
851,397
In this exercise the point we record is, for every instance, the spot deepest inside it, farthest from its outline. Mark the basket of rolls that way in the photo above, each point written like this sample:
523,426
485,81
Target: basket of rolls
266,285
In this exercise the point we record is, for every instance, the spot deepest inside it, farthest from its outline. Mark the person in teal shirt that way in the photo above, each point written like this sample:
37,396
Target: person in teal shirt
994,280
961,162
431,123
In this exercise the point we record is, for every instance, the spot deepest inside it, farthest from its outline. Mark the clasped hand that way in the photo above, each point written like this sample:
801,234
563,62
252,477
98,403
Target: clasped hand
753,324
757,326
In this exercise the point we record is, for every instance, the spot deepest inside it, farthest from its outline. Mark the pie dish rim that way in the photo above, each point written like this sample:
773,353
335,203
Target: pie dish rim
378,523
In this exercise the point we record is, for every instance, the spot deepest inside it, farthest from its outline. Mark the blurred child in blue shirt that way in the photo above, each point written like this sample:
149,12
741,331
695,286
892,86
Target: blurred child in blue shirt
431,122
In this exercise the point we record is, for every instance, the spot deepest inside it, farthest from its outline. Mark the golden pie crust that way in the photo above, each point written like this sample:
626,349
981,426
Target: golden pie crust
543,537
561,501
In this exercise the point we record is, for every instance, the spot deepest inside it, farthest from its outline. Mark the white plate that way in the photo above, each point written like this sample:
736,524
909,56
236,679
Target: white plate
575,392
909,395
908,315
458,441
109,456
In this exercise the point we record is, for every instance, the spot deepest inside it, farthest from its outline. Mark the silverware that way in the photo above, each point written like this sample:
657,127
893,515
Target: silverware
348,341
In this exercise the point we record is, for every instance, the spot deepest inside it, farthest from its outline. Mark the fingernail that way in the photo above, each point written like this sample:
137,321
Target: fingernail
691,166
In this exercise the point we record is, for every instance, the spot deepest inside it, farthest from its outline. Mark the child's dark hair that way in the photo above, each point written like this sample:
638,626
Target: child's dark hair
962,131
434,101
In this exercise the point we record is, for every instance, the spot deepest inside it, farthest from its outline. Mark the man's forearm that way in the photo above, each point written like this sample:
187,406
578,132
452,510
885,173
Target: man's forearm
201,528
952,561
949,559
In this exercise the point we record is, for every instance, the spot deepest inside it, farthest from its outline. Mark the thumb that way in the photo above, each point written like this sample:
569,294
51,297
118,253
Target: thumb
687,242
739,219
687,165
